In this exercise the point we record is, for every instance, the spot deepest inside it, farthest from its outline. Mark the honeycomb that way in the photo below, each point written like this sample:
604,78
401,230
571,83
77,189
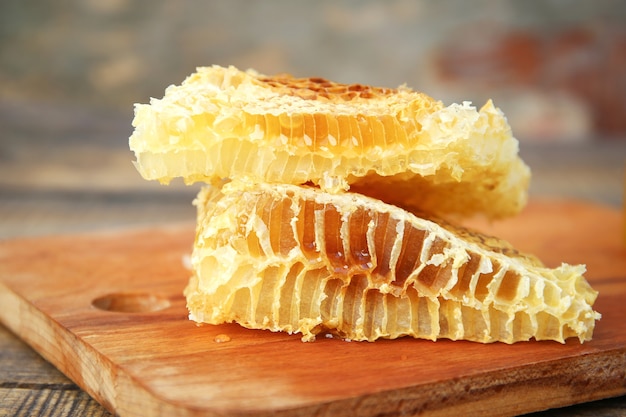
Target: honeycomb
302,260
326,206
221,122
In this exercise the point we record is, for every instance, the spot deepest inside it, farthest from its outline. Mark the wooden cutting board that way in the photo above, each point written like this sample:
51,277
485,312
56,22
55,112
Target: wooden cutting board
107,309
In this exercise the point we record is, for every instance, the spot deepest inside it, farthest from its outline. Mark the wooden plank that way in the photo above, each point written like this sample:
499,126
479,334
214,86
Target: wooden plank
157,363
50,401
32,386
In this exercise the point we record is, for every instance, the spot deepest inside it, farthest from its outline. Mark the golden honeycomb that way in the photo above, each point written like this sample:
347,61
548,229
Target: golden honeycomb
326,209
398,145
301,260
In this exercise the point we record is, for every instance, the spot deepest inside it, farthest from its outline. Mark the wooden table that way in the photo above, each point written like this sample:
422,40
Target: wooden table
67,169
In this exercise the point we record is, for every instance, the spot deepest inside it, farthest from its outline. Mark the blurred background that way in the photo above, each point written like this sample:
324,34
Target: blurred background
71,70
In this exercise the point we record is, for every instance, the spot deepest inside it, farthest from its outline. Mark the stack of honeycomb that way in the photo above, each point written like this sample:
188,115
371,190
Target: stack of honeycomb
324,212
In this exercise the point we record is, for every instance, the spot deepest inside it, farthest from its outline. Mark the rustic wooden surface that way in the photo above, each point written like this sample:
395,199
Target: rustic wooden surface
107,310
67,170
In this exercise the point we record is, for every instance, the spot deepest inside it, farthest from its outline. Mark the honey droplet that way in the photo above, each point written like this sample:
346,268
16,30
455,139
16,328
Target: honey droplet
221,338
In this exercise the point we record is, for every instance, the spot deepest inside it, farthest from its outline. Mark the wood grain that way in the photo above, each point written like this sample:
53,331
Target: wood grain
33,387
157,363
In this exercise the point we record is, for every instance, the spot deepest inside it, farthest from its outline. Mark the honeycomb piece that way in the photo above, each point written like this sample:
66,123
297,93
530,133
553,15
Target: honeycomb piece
225,123
300,260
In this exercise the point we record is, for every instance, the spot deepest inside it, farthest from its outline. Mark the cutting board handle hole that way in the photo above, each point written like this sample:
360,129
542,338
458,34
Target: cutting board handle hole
131,303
